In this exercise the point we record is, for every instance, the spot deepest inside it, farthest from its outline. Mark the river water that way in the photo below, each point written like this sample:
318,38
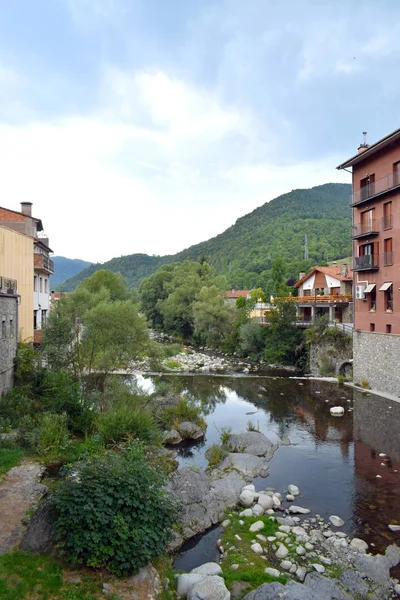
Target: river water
333,460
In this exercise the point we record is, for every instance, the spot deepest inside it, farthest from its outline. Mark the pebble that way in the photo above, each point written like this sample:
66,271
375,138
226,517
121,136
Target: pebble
282,552
257,526
286,565
397,589
234,567
272,572
299,510
261,537
246,513
319,568
290,498
271,538
309,546
382,455
225,523
358,544
325,561
293,490
300,550
336,521
241,522
379,476
394,527
238,537
256,548
280,535
301,573
284,528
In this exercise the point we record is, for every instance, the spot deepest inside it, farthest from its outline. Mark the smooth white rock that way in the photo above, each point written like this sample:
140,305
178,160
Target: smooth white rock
293,569
210,568
394,527
257,548
379,477
246,498
337,410
299,510
271,538
309,546
269,511
225,523
211,588
251,487
284,528
261,537
300,550
382,455
186,581
234,567
358,544
265,501
397,589
285,565
324,560
336,521
246,513
290,498
299,531
319,568
282,552
280,535
301,573
272,572
293,490
238,537
257,510
257,526
276,501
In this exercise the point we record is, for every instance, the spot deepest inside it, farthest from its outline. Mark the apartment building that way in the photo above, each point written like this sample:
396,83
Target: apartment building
29,262
375,200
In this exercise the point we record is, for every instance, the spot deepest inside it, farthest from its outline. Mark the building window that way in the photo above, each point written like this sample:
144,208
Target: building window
11,328
41,284
367,186
387,215
389,299
388,329
372,299
396,173
35,319
44,317
3,328
368,256
388,252
35,283
367,220
46,285
372,326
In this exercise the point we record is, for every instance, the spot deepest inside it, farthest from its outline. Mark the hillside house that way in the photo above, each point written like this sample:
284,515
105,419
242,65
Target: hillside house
232,295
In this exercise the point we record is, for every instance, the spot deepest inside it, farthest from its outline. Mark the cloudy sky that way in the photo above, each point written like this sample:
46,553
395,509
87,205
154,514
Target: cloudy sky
151,125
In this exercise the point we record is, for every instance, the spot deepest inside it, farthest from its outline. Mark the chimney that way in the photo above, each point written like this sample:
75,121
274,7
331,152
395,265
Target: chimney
362,147
26,208
301,275
344,270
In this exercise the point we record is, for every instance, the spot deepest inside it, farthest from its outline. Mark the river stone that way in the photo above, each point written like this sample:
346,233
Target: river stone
211,588
290,498
397,589
203,500
299,510
359,545
291,591
190,431
186,581
272,572
282,552
326,588
265,500
286,565
301,573
251,442
39,537
257,526
300,550
250,487
284,528
246,498
257,548
293,490
336,521
210,568
394,527
172,437
246,513
246,463
261,538
318,568
257,510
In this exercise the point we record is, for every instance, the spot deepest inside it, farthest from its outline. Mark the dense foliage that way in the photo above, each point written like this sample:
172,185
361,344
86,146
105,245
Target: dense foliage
64,268
115,514
244,253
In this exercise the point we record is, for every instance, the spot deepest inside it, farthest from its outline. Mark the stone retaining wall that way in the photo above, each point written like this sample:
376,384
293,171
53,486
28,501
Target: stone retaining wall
377,361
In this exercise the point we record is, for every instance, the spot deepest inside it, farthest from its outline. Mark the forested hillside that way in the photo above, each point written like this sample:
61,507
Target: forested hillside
245,251
64,268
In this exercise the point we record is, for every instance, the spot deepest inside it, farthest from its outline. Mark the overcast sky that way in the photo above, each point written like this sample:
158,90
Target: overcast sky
151,125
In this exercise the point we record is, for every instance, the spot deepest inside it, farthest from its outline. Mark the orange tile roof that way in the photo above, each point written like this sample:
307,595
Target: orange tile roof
236,293
332,271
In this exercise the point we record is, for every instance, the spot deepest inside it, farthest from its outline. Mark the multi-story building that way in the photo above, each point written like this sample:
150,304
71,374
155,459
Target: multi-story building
375,200
31,267
9,331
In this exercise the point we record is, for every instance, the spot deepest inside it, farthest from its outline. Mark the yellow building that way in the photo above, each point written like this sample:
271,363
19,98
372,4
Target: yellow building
16,261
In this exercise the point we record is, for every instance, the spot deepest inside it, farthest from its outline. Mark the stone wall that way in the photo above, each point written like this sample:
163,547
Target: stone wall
8,340
377,361
324,354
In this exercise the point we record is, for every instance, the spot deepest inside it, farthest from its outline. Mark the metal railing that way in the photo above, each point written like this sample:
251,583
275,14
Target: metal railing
367,262
43,262
365,228
318,299
375,188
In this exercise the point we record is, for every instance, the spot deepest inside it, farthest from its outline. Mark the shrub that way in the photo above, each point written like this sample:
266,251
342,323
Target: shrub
215,455
225,434
327,366
183,411
115,514
48,436
173,364
122,422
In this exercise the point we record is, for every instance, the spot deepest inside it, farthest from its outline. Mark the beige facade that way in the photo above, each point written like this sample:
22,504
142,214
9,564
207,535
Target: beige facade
16,262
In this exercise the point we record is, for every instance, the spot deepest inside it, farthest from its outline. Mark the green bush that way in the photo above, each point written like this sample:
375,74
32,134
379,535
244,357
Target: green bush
122,422
183,411
327,366
115,514
215,455
48,436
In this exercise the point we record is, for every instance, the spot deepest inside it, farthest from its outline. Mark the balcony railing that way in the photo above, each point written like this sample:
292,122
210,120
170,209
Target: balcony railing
387,259
370,227
376,188
43,262
387,221
366,263
325,299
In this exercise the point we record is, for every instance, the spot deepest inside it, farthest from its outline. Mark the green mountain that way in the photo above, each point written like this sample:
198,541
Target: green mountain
64,268
245,251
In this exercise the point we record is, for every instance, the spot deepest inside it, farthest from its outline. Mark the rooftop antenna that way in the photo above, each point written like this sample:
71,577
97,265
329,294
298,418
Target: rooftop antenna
365,138
305,247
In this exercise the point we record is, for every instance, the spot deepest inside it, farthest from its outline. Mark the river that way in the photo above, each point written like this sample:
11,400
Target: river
334,461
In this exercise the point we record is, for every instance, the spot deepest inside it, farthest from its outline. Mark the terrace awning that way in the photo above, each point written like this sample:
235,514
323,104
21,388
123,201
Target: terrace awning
386,286
369,288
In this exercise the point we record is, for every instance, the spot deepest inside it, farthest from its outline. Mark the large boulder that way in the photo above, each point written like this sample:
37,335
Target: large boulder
251,442
248,464
40,537
190,431
172,437
211,588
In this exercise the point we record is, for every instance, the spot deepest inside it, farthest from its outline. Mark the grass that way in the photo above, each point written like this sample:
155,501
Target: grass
251,566
183,411
173,364
215,455
225,435
25,576
252,427
10,456
164,568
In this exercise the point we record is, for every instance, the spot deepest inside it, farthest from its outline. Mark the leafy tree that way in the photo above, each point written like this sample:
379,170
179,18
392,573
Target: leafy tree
251,338
257,296
152,292
282,335
212,316
112,282
278,277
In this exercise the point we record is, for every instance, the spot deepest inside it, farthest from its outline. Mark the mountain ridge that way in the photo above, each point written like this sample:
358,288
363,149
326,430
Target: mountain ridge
244,252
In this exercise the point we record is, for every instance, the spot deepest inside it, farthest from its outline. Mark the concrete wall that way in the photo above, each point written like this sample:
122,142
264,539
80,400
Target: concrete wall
8,340
16,262
377,361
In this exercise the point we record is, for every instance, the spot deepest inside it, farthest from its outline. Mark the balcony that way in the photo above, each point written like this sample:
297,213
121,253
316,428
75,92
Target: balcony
377,188
370,262
370,227
43,263
312,299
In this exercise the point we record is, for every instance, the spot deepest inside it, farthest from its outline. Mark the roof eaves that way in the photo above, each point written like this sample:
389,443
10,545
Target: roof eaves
360,156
